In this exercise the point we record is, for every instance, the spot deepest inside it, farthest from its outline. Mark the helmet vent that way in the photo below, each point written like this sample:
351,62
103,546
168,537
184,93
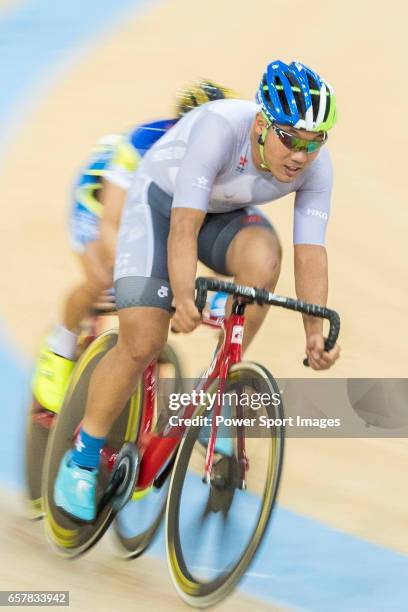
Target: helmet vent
282,95
294,85
266,92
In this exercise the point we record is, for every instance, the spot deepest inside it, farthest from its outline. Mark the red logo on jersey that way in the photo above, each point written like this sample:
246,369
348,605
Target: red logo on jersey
242,163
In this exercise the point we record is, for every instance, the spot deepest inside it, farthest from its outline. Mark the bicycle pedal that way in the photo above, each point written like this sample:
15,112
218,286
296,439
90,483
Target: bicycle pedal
127,468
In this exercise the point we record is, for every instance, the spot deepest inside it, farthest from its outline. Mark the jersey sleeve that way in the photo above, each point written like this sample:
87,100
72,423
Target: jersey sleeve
312,202
124,162
209,149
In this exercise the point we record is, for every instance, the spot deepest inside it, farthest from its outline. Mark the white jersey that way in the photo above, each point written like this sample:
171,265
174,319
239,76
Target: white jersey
205,162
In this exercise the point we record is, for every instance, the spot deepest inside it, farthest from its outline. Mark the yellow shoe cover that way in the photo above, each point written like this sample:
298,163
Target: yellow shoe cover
51,378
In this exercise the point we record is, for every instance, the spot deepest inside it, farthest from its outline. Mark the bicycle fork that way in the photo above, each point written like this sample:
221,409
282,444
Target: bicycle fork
233,352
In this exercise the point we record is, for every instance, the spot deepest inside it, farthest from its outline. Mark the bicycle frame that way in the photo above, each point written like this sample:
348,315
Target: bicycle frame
157,450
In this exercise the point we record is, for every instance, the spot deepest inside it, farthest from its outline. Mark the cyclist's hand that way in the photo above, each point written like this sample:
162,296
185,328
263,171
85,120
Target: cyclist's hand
319,359
186,318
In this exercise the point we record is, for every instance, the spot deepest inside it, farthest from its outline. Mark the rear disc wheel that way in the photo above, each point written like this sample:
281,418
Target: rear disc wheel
69,537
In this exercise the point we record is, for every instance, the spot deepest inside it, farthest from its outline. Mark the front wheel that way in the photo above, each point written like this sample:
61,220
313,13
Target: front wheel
214,530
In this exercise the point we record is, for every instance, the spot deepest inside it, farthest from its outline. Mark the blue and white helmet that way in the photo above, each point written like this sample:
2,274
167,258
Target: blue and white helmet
292,94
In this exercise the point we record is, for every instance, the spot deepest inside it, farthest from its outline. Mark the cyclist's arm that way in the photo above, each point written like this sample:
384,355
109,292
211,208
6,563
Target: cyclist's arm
311,280
112,198
207,151
311,214
182,256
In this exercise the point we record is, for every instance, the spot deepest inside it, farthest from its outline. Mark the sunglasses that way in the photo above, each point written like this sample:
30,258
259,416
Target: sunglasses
294,143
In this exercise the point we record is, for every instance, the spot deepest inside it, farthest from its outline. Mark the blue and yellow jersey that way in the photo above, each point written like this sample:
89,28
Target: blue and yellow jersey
115,157
131,147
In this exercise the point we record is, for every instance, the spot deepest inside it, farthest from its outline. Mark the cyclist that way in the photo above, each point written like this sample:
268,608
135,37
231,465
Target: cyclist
94,224
191,198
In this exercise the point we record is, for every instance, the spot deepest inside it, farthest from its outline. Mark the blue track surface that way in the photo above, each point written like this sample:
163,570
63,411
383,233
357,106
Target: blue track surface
13,404
303,563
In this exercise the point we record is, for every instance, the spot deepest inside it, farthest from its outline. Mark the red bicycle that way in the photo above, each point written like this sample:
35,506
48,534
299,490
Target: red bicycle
217,503
40,421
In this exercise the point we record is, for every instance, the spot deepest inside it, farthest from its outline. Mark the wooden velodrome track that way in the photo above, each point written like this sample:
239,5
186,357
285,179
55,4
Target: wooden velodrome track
357,485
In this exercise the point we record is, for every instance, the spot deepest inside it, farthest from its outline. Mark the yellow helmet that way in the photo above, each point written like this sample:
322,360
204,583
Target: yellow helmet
198,93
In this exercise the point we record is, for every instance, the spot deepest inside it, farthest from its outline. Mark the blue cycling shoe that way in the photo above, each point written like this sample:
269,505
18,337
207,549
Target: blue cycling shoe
75,489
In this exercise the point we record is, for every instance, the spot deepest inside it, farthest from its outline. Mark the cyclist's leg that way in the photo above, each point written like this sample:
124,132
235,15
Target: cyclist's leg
56,358
142,335
97,256
254,259
97,278
143,298
247,247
